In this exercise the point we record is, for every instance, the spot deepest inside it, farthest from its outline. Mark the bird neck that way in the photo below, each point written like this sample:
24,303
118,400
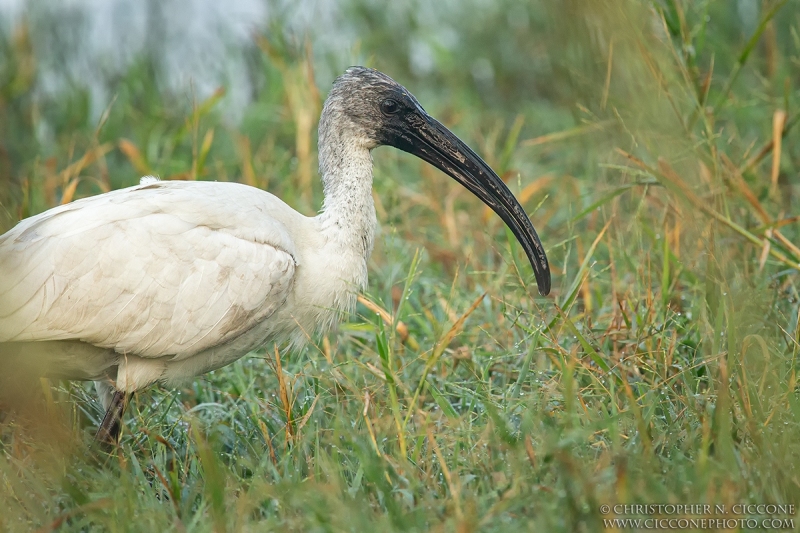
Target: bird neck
348,212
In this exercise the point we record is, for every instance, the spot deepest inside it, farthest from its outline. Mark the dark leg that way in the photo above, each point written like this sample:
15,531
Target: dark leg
108,432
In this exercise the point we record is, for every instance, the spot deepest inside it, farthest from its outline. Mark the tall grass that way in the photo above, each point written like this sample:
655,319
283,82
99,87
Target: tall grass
653,144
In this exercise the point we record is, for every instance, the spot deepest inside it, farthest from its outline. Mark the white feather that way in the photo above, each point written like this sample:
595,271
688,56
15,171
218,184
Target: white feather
170,279
167,280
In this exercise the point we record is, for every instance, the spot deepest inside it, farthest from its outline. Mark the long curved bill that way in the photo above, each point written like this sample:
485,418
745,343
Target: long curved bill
429,140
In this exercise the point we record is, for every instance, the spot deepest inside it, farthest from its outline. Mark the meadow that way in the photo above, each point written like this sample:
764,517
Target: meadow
654,145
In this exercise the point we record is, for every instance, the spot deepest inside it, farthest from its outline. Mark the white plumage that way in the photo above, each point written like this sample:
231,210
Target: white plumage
188,271
166,277
167,280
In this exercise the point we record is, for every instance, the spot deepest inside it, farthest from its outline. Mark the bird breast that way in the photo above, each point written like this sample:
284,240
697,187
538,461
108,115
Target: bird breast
329,275
169,280
328,279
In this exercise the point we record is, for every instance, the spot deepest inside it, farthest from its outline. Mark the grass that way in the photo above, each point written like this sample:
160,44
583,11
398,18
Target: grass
653,144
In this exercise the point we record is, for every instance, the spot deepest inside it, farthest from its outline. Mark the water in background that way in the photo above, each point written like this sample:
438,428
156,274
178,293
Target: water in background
199,44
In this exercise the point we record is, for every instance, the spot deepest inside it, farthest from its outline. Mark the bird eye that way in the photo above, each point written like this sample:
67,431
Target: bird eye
389,107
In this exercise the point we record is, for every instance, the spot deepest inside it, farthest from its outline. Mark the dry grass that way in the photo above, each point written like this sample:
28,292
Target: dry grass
658,163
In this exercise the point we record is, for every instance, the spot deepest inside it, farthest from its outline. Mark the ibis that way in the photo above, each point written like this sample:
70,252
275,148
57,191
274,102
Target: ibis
168,280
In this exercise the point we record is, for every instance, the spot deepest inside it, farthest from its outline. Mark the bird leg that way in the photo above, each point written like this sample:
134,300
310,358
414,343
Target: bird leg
108,432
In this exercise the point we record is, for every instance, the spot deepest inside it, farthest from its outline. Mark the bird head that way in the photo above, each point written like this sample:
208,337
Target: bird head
378,111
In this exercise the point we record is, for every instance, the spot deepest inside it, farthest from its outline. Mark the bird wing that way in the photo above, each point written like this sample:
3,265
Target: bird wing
166,268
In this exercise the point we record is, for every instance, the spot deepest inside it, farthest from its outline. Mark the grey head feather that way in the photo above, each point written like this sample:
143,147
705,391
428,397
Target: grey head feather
354,105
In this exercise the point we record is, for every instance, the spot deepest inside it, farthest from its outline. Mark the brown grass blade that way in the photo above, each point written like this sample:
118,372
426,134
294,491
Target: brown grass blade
744,189
205,147
87,159
455,492
668,175
439,349
135,156
246,156
566,134
768,147
607,84
778,123
268,440
368,423
402,329
283,391
456,328
786,242
308,414
69,191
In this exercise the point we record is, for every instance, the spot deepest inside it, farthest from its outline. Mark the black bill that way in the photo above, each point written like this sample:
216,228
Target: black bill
429,140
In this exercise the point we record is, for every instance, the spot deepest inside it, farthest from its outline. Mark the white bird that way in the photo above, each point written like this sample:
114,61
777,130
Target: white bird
168,280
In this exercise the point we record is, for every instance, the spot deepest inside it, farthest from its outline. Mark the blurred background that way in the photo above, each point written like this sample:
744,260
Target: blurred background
653,143
179,88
